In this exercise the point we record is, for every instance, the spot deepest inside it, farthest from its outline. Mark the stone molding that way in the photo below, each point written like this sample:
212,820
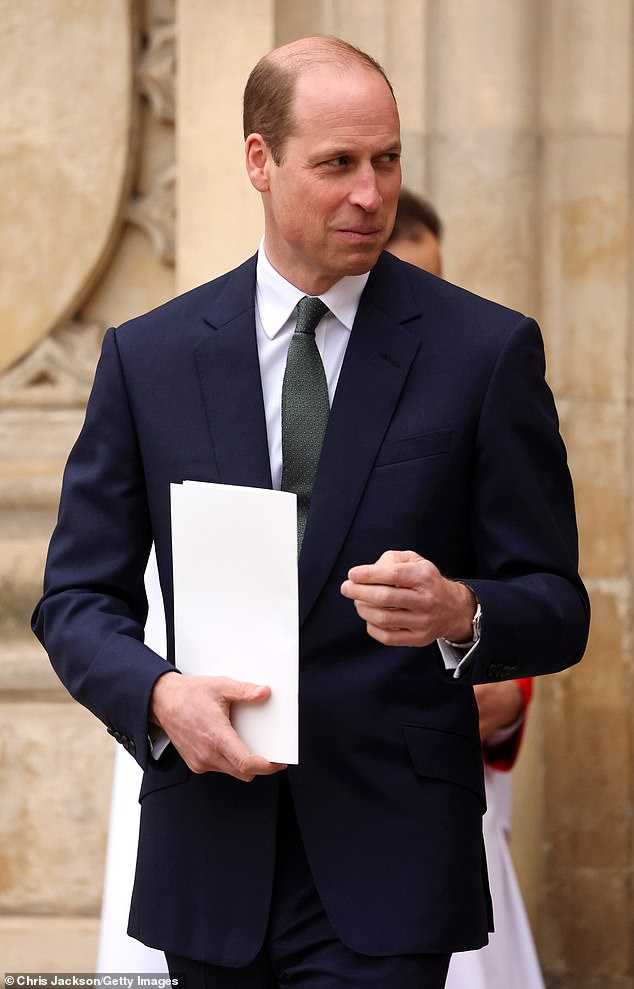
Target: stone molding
58,372
156,71
155,214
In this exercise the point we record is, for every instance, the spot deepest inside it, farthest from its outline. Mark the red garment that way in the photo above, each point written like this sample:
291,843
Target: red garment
503,756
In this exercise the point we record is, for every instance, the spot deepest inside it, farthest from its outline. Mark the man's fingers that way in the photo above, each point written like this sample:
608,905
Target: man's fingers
240,762
405,600
380,596
238,690
384,617
225,752
395,568
395,636
195,713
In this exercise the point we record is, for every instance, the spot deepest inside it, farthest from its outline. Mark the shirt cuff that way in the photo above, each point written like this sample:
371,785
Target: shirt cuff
158,741
455,658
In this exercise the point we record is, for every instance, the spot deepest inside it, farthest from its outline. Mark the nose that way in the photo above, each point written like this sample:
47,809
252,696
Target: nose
365,192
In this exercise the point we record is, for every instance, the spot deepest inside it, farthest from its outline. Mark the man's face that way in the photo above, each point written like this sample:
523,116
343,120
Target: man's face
422,250
330,203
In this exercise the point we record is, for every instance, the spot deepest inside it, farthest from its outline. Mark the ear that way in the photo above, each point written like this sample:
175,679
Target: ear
258,162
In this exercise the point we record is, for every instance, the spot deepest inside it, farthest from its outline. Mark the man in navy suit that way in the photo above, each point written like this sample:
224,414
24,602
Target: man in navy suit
440,551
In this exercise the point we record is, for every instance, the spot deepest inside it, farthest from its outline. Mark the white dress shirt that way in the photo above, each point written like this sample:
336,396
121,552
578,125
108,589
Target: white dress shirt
275,318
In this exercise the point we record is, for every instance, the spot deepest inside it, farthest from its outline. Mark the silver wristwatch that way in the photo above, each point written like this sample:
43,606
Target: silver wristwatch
475,631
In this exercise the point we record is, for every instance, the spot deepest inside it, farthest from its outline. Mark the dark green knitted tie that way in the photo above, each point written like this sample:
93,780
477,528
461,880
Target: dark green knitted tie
305,409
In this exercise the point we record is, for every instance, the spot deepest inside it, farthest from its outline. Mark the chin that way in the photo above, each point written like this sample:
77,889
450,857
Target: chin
359,266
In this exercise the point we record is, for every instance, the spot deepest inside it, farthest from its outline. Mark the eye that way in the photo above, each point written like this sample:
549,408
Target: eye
339,162
388,158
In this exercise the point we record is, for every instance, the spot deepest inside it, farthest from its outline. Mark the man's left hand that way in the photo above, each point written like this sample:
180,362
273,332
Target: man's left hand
405,601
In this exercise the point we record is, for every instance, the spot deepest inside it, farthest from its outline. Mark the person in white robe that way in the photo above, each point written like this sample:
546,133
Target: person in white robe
118,952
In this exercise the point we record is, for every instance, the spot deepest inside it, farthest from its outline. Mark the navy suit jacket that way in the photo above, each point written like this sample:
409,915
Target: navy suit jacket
443,438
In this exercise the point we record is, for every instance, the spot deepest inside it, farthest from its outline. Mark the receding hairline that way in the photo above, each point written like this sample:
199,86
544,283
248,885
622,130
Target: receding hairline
271,89
318,50
300,57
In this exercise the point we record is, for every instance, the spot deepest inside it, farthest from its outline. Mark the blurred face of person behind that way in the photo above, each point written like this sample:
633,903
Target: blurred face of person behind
420,247
330,200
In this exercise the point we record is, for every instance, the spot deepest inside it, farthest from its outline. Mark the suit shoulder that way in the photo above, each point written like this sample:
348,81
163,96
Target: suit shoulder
195,307
466,328
437,297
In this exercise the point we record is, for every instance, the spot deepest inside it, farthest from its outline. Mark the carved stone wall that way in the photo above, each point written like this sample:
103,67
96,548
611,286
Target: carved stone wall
88,183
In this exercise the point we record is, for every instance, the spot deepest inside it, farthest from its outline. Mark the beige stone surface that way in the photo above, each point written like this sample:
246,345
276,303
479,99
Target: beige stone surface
585,298
491,180
49,944
55,779
23,535
26,675
586,57
33,450
578,777
478,83
594,942
133,284
585,918
483,147
65,157
219,219
596,436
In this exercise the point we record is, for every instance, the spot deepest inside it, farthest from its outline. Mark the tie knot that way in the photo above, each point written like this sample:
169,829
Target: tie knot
310,310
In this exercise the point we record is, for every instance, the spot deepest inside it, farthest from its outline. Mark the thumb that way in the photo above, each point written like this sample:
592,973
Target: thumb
400,556
240,690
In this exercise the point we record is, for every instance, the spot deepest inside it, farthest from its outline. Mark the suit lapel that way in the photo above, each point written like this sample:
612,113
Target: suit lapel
229,370
374,372
375,368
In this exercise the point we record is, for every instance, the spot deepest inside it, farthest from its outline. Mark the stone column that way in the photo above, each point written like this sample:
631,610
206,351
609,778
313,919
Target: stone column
586,238
219,219
482,145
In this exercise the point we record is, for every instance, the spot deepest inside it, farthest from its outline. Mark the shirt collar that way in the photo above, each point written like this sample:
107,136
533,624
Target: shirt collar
276,297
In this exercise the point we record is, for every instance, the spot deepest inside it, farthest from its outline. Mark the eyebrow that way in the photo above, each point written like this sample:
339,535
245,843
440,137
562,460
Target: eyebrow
344,152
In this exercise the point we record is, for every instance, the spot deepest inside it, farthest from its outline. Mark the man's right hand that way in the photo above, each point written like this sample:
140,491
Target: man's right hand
195,713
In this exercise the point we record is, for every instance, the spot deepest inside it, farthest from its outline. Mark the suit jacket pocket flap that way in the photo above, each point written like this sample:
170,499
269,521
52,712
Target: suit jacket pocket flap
446,755
414,447
166,771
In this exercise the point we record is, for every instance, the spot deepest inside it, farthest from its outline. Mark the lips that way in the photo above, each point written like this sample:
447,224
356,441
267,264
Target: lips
361,235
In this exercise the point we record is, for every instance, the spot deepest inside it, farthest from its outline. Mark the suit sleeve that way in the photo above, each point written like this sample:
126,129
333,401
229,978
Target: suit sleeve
535,610
91,616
